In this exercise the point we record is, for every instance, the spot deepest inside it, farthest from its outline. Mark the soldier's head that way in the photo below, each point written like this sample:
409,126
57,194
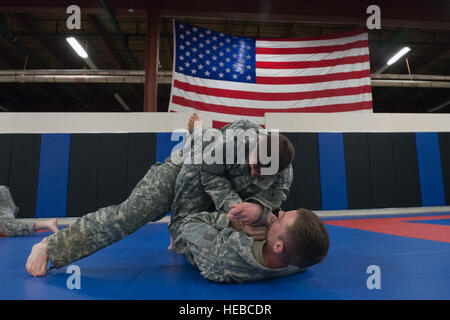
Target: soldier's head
285,152
298,237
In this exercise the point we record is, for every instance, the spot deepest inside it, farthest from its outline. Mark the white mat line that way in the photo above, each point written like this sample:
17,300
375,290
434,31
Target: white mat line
381,211
69,221
320,213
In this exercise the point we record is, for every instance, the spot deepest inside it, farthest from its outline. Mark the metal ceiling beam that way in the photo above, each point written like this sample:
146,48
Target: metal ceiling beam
28,25
410,83
12,99
433,57
61,10
313,19
96,26
290,31
138,76
390,76
18,43
439,106
395,13
118,63
227,26
115,23
12,62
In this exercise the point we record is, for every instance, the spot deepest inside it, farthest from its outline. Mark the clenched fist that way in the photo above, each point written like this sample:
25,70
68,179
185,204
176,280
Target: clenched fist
245,212
258,233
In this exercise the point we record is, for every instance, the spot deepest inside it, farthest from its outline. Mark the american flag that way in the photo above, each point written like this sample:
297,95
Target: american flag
234,77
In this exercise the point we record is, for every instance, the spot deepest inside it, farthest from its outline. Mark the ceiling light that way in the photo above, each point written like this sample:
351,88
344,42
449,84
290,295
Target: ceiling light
398,55
77,47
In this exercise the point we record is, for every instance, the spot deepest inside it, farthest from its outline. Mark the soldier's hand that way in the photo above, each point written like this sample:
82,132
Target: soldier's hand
272,218
258,233
245,212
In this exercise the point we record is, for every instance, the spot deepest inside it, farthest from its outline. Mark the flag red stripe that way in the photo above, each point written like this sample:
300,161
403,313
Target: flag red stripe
221,124
259,112
270,96
325,37
312,64
308,50
314,79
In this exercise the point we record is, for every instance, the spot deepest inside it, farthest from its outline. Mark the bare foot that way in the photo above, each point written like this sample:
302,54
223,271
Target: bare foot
194,121
51,224
37,261
171,247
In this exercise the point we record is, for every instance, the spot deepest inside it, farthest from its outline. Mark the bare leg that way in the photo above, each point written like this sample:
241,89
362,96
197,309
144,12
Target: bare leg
51,224
37,261
171,247
194,121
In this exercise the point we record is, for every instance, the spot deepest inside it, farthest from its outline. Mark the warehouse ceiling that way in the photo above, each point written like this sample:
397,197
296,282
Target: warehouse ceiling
33,33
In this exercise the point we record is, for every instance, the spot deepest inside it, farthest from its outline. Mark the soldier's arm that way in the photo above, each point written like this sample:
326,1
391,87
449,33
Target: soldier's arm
220,221
216,249
10,227
218,187
271,199
213,176
215,181
216,220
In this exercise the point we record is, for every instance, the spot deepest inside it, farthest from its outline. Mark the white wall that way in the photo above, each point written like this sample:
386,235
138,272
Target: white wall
167,122
95,122
357,122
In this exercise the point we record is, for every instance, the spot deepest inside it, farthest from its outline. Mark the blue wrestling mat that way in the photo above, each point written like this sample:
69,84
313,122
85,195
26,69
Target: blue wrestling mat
141,267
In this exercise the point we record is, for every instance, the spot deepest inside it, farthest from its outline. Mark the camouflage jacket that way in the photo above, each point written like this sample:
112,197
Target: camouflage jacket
223,254
9,226
223,185
229,184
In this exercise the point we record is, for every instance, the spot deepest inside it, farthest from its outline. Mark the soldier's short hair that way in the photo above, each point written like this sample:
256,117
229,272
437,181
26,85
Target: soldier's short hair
306,240
286,153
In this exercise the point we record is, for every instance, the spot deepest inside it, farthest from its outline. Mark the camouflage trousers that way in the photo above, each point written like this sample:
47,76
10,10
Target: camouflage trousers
150,200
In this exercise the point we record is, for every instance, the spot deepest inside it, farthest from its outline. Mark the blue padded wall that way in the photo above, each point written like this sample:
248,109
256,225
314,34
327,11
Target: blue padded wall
57,175
53,176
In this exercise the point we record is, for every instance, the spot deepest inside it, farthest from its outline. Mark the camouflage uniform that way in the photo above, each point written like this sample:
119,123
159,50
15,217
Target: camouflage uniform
229,184
9,226
223,254
169,186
